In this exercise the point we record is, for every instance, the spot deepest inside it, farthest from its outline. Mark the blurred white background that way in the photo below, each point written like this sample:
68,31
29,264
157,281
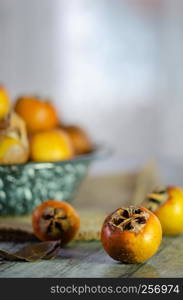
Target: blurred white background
115,67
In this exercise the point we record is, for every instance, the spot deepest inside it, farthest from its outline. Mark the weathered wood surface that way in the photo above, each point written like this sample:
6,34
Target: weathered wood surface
88,259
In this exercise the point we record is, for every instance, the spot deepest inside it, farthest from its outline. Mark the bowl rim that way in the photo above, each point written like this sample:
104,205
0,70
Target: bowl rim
98,152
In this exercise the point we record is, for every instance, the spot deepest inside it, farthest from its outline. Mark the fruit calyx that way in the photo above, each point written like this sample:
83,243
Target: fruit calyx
54,221
130,218
157,198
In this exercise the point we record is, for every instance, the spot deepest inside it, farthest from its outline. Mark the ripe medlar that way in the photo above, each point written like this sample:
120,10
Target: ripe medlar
131,234
167,204
55,220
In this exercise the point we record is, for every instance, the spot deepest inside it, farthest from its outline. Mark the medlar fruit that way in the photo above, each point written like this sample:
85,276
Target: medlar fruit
55,220
131,234
167,204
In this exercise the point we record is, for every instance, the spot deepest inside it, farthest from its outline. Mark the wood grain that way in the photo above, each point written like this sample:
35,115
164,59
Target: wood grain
88,259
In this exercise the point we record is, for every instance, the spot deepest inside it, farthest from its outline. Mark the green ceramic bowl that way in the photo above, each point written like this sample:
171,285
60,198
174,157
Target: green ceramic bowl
24,186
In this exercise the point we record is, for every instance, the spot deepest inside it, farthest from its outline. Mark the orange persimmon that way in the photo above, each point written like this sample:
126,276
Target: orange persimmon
51,145
131,234
38,114
55,220
79,138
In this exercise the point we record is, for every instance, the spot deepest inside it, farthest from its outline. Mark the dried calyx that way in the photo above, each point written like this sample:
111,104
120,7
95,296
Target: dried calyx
5,123
54,221
130,218
157,198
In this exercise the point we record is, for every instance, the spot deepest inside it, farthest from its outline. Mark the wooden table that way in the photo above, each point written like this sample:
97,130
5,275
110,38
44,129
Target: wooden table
88,259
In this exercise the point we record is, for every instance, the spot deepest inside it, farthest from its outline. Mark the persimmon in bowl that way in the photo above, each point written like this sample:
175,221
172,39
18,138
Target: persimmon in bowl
40,156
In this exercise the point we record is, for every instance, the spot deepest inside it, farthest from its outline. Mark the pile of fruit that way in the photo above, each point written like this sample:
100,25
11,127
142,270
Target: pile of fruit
31,130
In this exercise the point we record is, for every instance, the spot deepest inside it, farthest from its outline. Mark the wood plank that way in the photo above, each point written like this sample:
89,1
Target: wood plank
88,259
12,247
77,260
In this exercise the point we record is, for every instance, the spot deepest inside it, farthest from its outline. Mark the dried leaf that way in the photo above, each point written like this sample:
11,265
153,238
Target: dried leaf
8,256
34,252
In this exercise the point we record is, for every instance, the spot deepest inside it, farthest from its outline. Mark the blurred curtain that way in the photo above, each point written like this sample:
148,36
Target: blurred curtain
115,67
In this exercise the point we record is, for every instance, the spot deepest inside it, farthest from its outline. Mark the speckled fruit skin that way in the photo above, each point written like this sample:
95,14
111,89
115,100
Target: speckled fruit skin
129,247
170,213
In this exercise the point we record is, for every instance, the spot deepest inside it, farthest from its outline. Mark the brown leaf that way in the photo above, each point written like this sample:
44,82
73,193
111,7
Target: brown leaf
34,252
7,256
